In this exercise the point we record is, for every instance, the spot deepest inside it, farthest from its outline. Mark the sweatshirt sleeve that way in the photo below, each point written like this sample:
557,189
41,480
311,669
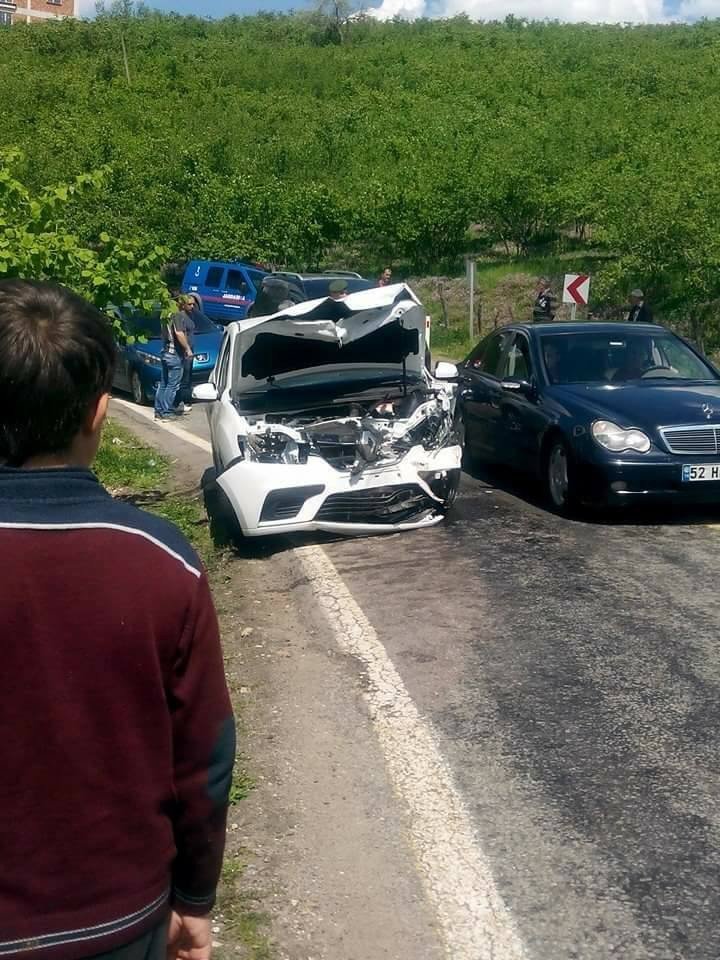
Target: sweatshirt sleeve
204,754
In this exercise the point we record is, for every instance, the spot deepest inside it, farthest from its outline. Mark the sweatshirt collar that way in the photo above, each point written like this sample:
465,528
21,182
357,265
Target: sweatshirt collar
50,484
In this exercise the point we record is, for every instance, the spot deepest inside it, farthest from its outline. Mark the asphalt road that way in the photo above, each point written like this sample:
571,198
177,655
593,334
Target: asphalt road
571,673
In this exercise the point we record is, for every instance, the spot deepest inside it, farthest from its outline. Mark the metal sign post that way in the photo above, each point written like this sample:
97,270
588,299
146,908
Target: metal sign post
470,269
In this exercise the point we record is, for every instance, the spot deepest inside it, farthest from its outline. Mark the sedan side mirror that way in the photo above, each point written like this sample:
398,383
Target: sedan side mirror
205,391
524,387
445,370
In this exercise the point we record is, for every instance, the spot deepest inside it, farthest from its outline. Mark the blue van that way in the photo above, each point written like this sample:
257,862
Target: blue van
227,288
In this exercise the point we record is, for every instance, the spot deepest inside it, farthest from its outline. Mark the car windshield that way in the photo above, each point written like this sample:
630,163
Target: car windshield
150,327
620,358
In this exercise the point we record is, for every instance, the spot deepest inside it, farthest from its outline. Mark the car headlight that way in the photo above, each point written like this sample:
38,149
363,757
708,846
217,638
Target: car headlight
614,438
148,358
272,448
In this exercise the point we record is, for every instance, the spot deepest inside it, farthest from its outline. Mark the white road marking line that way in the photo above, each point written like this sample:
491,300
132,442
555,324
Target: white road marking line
475,922
165,427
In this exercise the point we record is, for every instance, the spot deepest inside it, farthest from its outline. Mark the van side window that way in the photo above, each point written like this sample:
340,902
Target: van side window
236,282
214,277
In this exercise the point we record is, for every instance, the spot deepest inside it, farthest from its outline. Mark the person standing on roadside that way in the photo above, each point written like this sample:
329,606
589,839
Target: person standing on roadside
545,304
273,295
195,317
119,735
640,312
385,277
176,352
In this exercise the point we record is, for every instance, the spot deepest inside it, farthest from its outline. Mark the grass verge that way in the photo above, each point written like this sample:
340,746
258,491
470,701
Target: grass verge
136,472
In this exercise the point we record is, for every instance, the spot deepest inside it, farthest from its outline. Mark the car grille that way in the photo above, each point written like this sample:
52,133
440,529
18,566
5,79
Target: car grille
286,504
692,440
397,504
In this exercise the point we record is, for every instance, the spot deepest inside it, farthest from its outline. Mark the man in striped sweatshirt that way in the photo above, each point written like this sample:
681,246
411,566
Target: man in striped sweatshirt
117,737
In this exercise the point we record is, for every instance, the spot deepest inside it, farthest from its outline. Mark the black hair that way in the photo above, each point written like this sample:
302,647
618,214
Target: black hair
57,354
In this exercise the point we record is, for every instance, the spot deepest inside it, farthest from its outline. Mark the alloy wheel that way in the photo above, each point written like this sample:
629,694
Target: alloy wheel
558,476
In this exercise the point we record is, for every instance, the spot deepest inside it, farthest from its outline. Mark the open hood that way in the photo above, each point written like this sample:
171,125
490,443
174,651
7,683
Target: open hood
377,330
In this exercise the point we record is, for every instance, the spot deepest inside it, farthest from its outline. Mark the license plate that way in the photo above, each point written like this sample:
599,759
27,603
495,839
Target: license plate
706,471
201,357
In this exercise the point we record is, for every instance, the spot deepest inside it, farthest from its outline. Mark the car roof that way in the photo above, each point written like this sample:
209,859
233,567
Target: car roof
326,275
230,263
586,327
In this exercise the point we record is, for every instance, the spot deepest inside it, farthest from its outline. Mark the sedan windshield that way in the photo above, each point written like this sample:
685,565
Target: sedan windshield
620,358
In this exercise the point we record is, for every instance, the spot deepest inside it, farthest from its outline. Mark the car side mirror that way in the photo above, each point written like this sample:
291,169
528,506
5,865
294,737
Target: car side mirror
524,387
205,391
445,370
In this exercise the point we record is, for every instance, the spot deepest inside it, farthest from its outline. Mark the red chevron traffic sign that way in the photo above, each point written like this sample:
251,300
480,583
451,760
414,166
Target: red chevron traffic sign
576,288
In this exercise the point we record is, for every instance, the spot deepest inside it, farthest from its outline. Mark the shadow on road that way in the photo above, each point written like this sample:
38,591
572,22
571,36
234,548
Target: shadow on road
529,490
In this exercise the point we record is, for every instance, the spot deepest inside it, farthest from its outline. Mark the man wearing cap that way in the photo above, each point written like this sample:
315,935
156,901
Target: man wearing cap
545,304
337,289
640,312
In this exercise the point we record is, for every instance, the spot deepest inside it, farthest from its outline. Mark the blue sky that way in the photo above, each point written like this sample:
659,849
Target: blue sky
612,11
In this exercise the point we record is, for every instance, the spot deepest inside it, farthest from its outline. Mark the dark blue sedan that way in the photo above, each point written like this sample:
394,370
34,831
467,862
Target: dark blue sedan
600,412
138,367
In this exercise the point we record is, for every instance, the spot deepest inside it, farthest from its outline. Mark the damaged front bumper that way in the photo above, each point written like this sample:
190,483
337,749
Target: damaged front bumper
287,498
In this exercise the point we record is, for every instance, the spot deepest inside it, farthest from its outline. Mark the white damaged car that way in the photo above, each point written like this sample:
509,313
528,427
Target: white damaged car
324,417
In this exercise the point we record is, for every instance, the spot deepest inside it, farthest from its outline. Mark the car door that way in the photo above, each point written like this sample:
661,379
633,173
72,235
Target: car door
237,295
211,288
481,394
521,421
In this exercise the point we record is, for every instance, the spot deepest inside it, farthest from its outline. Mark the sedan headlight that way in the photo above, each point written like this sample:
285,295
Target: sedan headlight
148,358
272,448
617,440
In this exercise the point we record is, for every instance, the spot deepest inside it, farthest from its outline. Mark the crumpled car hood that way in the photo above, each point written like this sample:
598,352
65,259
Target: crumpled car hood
378,329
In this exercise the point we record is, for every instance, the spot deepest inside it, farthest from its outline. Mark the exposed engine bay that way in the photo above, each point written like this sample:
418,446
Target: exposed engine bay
353,435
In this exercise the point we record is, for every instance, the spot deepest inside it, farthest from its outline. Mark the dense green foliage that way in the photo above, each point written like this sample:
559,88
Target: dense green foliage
36,240
283,139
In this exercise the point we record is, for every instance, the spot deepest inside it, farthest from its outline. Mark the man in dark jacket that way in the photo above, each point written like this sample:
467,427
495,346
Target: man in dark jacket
544,306
118,735
273,295
640,312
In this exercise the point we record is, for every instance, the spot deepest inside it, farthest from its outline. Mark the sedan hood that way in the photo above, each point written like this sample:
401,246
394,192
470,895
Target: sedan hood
647,404
377,330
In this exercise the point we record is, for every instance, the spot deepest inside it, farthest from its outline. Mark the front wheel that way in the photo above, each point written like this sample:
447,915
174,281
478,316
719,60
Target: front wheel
460,431
559,478
138,390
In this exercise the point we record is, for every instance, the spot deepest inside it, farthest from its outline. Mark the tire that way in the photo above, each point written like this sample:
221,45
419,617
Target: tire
224,527
559,481
469,460
137,390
